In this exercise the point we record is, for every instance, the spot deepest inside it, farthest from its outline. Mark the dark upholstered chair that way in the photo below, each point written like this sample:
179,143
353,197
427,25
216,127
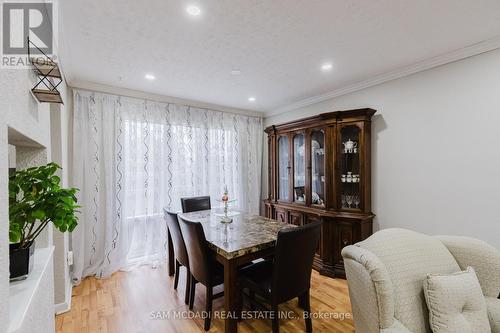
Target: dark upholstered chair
204,268
181,256
195,204
288,275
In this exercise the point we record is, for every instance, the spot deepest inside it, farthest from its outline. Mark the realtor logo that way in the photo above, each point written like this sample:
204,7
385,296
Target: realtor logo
23,20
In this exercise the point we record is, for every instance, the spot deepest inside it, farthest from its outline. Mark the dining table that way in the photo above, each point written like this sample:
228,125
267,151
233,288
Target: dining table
246,238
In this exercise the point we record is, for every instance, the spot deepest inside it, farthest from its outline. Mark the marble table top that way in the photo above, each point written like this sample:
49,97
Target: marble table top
246,234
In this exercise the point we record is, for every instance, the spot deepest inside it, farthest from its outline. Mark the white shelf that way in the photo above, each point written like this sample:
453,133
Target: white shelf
21,293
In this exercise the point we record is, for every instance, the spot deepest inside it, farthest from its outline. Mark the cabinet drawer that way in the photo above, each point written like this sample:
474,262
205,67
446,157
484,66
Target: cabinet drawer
281,215
310,218
269,211
344,236
296,218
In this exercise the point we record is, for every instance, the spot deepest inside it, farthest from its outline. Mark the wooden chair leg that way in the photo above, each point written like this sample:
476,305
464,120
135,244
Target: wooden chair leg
251,295
276,320
307,312
188,287
176,278
302,301
208,307
240,305
192,291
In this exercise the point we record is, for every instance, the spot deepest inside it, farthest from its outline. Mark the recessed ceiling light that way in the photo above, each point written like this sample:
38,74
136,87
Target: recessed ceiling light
326,67
150,77
235,71
251,99
193,10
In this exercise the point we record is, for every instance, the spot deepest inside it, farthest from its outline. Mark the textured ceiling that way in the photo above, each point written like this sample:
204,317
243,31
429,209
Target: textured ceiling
278,45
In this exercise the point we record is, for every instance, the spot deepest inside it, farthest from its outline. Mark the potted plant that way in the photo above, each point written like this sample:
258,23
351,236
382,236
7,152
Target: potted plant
35,200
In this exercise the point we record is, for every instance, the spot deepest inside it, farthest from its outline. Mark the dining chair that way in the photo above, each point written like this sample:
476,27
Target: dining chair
181,256
195,204
287,276
204,269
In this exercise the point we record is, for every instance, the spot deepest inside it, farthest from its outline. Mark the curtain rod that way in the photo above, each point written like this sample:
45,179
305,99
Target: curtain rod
254,114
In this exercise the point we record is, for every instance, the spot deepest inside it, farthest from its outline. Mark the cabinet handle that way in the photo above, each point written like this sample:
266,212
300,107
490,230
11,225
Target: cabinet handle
345,241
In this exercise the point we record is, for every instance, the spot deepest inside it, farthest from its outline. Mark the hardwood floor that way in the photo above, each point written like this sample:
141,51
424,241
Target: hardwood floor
128,301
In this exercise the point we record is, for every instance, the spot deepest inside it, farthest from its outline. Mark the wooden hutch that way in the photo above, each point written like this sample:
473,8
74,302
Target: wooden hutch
319,170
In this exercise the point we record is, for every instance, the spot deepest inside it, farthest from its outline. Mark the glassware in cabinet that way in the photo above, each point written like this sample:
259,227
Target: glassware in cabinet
283,169
350,167
299,168
318,167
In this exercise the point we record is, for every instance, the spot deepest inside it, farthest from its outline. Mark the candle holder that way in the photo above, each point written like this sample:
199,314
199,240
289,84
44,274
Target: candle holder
226,201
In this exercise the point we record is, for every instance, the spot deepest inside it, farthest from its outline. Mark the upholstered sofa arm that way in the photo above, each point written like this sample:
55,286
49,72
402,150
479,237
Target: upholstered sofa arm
484,258
493,305
396,327
370,290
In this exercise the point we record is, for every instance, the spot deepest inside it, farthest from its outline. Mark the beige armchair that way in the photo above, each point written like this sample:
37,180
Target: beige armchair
385,274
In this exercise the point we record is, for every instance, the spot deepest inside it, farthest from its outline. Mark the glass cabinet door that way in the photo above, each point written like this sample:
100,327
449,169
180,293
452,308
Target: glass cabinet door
350,176
299,168
318,167
283,169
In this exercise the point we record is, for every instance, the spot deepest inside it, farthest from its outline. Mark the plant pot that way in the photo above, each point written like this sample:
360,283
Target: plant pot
21,261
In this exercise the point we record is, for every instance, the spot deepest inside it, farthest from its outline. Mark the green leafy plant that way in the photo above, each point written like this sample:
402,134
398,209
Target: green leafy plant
36,199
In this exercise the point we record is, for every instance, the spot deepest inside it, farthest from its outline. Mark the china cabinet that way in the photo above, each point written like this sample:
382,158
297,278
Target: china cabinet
319,170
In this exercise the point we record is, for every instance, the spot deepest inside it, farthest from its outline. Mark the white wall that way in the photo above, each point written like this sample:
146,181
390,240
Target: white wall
4,233
59,117
20,112
31,121
436,148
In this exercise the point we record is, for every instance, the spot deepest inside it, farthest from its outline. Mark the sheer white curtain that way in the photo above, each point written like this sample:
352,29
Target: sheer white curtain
132,158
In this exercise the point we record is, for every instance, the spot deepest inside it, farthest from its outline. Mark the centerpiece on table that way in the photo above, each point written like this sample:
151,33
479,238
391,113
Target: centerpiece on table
35,200
225,200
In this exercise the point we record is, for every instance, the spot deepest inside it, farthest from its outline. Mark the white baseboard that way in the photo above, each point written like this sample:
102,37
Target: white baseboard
66,305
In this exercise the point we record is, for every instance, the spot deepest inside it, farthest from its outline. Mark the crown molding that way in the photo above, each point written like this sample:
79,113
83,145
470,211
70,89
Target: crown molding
98,87
465,52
